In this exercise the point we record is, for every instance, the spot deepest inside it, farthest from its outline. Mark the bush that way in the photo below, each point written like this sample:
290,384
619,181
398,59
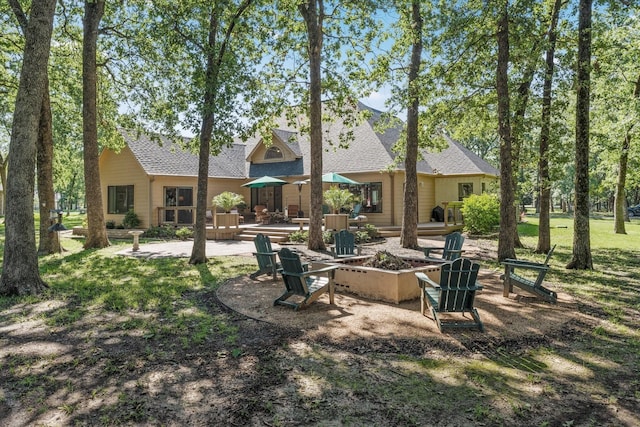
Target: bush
481,213
183,233
299,236
327,237
362,236
372,231
110,224
227,200
165,231
131,220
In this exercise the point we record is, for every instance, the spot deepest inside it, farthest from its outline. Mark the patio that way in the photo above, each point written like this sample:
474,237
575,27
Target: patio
353,316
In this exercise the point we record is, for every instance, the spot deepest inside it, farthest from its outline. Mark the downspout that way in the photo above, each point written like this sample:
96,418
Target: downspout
149,202
392,198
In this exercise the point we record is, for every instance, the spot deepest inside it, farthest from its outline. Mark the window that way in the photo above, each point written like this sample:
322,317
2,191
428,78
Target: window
119,199
464,190
273,153
371,196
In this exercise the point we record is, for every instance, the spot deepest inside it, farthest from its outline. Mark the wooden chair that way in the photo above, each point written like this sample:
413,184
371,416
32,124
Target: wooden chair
345,245
292,211
306,284
261,217
452,249
454,294
265,256
531,284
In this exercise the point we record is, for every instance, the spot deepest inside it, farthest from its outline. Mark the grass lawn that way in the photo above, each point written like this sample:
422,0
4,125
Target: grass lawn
124,341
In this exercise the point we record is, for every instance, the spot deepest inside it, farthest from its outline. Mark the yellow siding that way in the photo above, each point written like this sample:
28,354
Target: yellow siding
124,169
447,187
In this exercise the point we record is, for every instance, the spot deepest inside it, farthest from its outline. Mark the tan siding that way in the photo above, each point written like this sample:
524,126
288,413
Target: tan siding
124,169
447,187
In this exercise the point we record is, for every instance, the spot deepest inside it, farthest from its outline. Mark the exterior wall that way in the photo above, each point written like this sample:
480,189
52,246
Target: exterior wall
215,186
447,187
124,169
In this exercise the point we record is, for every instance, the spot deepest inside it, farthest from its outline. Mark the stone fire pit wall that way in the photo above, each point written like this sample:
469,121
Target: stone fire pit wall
378,284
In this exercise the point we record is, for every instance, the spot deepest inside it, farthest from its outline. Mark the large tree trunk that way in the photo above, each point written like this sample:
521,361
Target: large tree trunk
620,214
199,250
544,190
409,235
619,205
20,274
97,232
214,63
49,240
581,239
508,225
313,13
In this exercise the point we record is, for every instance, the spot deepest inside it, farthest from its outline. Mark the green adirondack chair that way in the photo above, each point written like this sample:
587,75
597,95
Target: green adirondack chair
265,256
345,245
308,285
531,284
454,294
451,250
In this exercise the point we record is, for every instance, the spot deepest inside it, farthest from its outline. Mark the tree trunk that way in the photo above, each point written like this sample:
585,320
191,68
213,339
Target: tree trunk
508,225
199,250
313,13
49,242
20,274
544,188
581,239
97,232
619,207
409,235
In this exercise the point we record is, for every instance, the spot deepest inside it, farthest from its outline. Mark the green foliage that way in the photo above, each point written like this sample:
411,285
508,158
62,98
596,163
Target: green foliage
164,231
372,231
299,236
481,213
184,233
228,200
110,224
327,237
337,198
131,219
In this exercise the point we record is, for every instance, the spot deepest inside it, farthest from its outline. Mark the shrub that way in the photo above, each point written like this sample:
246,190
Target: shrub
337,199
131,219
110,224
327,237
227,200
362,236
481,213
299,236
372,231
183,233
165,231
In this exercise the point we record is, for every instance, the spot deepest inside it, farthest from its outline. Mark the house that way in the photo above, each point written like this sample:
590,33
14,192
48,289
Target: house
159,182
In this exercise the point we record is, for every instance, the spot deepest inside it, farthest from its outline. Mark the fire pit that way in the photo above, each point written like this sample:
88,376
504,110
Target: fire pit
378,284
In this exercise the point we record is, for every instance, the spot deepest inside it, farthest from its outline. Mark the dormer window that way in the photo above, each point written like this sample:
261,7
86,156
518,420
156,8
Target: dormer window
273,153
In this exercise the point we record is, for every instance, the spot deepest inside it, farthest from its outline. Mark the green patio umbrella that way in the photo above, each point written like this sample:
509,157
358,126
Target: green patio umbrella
336,178
265,181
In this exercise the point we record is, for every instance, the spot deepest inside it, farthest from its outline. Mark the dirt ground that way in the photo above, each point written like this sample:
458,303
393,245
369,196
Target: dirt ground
104,371
354,316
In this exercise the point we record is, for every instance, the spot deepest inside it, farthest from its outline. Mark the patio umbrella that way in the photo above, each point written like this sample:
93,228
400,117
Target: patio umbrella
336,178
265,181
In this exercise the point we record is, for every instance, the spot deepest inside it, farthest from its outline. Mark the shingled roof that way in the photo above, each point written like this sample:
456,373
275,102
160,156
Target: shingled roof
367,151
163,157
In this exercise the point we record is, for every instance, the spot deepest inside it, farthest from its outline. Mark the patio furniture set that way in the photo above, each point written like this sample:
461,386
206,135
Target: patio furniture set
454,291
